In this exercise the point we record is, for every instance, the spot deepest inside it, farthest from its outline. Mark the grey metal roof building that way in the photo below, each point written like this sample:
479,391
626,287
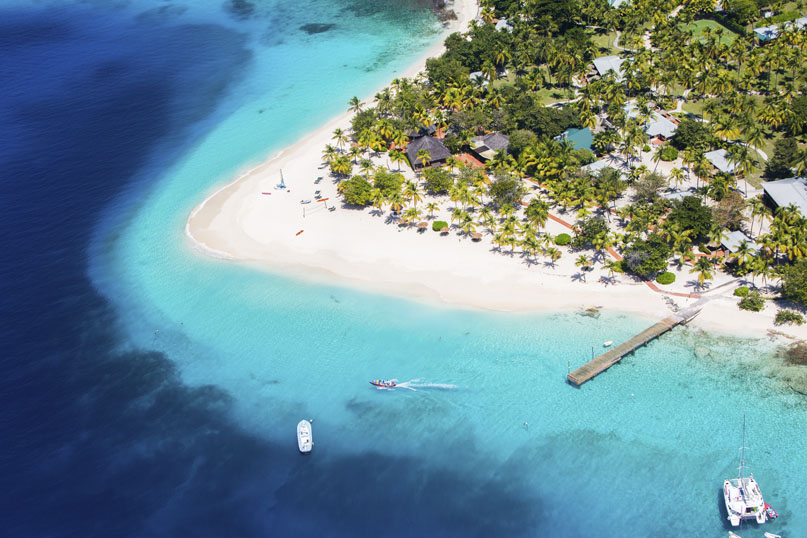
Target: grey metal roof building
486,146
718,158
788,191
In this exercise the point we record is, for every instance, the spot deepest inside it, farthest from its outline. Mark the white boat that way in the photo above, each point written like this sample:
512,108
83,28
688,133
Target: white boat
305,441
742,495
732,535
771,535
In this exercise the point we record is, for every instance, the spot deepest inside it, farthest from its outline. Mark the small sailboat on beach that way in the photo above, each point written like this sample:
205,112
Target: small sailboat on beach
282,184
305,439
742,495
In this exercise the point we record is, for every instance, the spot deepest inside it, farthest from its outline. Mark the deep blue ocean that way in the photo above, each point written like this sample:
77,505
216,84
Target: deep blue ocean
146,390
85,100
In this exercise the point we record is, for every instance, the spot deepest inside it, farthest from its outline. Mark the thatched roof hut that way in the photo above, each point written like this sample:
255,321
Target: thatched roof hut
438,153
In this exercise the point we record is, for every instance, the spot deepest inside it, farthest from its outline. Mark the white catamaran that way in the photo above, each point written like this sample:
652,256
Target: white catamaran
742,495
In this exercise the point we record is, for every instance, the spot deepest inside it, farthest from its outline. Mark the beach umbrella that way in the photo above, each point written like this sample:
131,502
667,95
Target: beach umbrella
423,225
476,236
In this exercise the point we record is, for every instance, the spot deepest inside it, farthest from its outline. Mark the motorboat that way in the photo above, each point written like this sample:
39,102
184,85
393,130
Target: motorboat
771,535
305,441
383,383
771,512
305,201
742,495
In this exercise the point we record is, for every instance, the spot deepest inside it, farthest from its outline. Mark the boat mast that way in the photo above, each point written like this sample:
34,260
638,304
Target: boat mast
741,470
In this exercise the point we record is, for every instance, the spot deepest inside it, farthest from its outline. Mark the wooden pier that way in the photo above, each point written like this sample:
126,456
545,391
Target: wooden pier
601,363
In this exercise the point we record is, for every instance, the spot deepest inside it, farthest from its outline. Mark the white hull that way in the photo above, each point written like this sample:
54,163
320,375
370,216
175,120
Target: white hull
743,501
305,440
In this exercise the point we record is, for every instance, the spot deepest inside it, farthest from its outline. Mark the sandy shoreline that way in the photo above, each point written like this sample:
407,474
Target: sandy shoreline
239,222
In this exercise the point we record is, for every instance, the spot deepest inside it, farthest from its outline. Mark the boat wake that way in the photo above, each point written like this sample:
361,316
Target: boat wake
416,384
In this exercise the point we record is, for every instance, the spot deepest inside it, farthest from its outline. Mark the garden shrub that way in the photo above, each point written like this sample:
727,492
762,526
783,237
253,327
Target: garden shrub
668,153
563,239
666,278
439,225
646,148
788,316
742,291
753,302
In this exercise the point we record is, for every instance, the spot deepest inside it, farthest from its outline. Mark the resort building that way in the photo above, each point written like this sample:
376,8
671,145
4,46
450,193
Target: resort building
732,241
438,153
604,64
719,159
504,25
661,127
485,147
787,192
769,33
479,78
607,162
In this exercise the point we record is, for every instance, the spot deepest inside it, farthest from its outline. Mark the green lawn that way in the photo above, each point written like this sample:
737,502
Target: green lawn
698,28
601,41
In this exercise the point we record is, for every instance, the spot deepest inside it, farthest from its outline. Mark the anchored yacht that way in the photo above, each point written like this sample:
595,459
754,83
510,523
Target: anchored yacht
305,441
742,495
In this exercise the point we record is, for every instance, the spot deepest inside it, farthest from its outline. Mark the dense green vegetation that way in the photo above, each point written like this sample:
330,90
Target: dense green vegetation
747,98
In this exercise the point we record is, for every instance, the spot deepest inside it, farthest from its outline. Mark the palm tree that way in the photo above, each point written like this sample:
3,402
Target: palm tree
354,104
366,166
744,253
355,153
411,215
424,157
530,246
397,156
582,261
377,199
467,224
431,207
553,254
340,137
613,266
395,202
341,166
704,269
411,192
329,153
758,209
677,175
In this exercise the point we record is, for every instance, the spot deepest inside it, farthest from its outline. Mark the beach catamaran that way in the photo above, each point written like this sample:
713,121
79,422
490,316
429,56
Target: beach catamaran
742,495
282,184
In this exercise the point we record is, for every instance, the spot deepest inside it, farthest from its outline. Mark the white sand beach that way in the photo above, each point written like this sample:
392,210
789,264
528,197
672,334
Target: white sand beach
250,221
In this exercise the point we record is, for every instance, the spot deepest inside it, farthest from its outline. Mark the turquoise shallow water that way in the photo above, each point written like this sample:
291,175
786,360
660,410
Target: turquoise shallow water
490,431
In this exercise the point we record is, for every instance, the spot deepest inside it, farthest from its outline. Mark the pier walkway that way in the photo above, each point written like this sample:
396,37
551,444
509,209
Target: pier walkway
599,364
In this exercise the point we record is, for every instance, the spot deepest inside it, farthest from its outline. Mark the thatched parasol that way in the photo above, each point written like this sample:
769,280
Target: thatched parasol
445,230
423,225
476,236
